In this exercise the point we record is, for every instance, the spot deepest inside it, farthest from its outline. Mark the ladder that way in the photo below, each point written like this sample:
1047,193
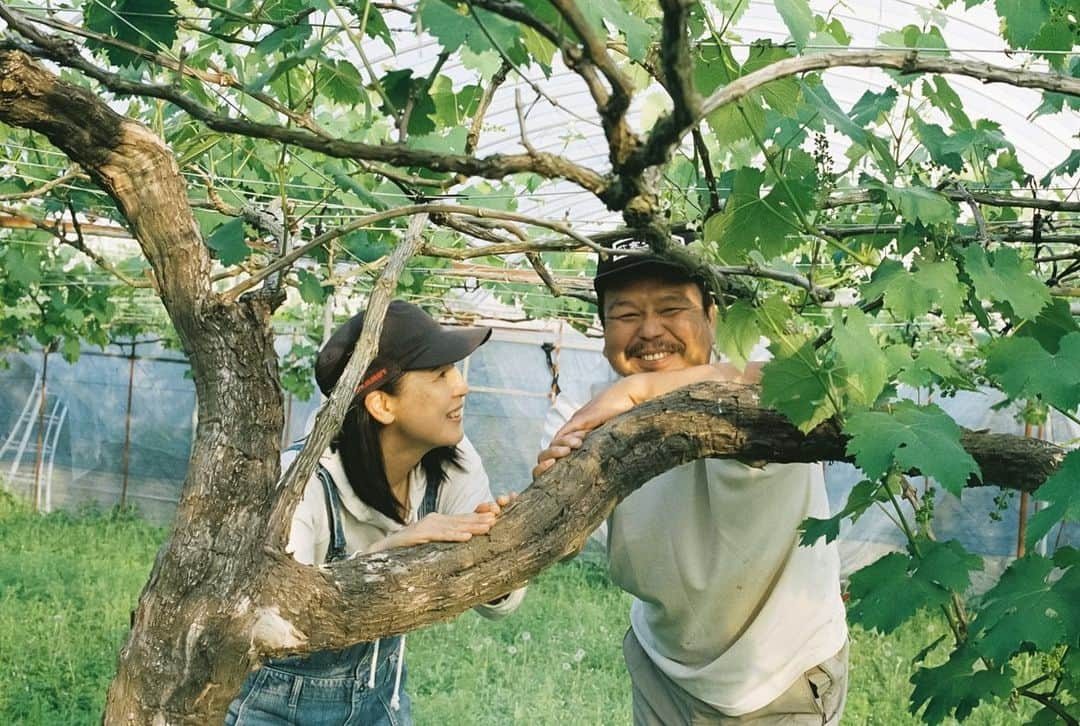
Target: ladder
18,439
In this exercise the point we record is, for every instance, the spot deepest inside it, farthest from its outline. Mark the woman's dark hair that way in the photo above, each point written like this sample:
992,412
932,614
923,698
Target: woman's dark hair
361,456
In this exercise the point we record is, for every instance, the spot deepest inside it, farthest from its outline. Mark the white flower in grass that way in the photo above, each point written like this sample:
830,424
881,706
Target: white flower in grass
578,655
566,666
526,636
512,650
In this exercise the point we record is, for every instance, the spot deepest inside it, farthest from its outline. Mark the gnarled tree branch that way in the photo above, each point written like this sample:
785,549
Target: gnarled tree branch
553,517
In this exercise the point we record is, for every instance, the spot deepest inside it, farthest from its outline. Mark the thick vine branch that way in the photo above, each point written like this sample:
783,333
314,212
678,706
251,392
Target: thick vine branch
677,65
612,103
405,211
496,166
43,189
554,516
669,130
215,76
865,196
123,158
328,421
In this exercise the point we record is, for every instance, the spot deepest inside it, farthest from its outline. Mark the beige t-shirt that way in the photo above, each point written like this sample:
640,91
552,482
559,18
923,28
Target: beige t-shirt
726,603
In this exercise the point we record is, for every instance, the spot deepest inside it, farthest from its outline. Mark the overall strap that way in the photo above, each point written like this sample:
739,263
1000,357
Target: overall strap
336,550
431,498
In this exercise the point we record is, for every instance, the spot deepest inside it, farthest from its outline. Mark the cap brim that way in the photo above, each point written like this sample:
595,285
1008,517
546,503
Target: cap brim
449,346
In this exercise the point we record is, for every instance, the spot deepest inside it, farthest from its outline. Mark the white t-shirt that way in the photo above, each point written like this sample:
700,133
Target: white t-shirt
460,492
726,603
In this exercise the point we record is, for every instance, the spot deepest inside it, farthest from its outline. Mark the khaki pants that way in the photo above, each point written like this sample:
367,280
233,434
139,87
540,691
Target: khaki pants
817,697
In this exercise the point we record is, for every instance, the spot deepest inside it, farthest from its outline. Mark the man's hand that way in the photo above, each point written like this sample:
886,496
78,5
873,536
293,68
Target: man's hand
627,393
619,398
560,446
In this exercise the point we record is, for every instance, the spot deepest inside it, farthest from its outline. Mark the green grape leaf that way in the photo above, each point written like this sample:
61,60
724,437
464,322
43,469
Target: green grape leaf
453,26
912,295
1002,276
1065,168
798,19
22,267
819,97
1023,19
228,241
865,367
1062,495
738,121
871,106
292,60
289,39
311,288
341,82
71,348
895,587
376,24
1026,607
923,438
634,28
452,109
932,365
750,221
922,203
862,496
539,47
714,66
781,94
147,24
942,95
958,686
930,42
1023,369
737,332
944,149
798,387
401,88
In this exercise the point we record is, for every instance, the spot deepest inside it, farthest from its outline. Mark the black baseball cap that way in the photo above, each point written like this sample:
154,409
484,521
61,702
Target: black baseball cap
410,340
611,267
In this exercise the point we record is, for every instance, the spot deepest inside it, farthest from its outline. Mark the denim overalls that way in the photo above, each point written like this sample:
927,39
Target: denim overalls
331,687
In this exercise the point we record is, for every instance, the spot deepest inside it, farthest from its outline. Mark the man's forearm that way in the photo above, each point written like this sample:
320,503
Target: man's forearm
660,382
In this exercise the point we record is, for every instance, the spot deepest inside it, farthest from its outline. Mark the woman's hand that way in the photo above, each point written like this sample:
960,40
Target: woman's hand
496,507
437,527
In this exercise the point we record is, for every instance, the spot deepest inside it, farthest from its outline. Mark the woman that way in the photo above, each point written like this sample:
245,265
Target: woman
398,473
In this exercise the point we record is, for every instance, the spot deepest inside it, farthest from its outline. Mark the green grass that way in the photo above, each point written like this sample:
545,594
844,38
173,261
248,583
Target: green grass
68,584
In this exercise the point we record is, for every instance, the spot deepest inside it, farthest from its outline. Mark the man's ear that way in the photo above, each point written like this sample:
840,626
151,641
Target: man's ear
379,405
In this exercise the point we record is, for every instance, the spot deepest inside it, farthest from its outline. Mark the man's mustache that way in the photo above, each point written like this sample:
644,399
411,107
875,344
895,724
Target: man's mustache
639,349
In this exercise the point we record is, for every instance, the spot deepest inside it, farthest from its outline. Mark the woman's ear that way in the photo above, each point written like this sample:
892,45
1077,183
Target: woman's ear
379,405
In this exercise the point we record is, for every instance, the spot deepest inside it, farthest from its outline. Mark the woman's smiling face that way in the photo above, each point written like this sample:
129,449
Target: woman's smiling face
427,406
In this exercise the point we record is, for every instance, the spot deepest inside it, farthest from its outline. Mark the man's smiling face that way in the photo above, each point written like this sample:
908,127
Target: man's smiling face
653,324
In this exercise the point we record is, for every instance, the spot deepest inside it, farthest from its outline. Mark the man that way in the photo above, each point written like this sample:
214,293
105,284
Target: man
732,621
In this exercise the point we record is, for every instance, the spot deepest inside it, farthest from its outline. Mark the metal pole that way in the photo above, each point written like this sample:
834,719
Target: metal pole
127,426
1021,527
41,426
